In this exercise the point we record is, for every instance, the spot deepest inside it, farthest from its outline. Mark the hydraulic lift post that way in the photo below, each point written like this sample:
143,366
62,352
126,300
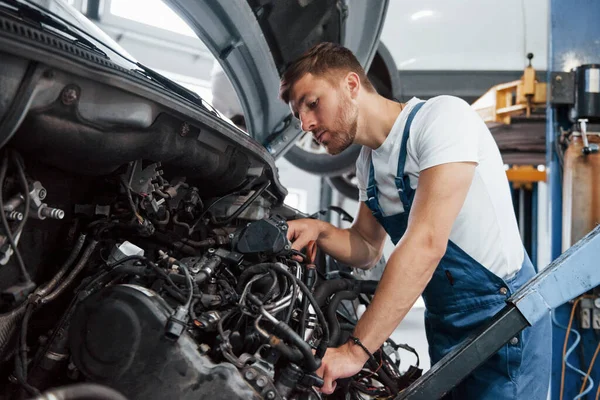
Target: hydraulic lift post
572,274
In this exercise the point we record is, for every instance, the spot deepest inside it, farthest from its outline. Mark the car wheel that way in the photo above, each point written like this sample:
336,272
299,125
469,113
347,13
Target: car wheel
308,155
346,184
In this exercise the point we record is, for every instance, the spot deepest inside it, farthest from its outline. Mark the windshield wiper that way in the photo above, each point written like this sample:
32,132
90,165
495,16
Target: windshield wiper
32,14
174,87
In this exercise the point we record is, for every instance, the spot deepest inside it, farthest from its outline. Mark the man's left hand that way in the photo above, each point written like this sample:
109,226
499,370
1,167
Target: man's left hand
341,362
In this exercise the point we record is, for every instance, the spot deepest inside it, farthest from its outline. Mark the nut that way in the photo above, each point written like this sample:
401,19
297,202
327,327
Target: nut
69,95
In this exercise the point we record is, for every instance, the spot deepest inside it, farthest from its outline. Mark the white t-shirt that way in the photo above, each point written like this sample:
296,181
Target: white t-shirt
446,129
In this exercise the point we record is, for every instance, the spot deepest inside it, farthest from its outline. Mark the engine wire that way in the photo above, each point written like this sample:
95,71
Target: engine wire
9,234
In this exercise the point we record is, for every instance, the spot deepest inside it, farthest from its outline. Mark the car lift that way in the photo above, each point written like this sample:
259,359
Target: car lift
572,274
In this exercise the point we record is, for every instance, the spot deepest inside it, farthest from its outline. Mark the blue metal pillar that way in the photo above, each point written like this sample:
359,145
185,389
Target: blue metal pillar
574,39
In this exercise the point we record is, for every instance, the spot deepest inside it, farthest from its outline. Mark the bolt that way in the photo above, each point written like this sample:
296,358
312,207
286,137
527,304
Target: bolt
559,78
249,375
284,227
287,247
211,251
69,95
185,129
42,193
231,236
270,395
261,382
51,212
14,216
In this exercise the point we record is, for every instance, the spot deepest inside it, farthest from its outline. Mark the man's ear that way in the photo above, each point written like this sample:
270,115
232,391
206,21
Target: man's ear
353,84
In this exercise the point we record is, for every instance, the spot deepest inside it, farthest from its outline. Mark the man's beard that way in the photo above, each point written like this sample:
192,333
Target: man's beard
346,126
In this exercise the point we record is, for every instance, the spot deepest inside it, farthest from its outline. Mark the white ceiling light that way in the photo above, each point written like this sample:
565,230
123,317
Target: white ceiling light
421,14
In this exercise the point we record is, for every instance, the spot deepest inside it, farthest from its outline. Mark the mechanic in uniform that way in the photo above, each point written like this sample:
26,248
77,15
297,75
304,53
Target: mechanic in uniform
431,177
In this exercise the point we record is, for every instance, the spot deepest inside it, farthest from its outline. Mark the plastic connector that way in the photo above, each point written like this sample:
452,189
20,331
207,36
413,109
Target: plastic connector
16,294
177,323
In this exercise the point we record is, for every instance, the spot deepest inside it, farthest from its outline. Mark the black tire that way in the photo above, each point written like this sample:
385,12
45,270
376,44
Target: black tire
345,187
325,164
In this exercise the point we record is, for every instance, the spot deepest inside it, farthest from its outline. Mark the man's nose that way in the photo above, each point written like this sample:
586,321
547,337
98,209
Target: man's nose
308,122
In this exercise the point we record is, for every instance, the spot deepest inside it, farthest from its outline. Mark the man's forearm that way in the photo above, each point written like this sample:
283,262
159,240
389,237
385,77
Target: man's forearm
406,275
347,246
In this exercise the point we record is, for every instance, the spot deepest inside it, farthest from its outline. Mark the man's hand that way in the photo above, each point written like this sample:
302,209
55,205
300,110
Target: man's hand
302,231
341,362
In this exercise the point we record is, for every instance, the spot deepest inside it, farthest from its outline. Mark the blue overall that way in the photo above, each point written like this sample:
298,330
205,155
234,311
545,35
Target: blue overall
461,296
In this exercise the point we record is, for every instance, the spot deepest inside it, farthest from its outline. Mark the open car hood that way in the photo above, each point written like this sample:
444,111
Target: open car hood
254,40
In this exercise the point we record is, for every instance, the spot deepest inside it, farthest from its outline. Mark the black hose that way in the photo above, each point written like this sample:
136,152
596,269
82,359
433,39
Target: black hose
310,280
284,331
334,324
325,340
328,288
82,391
249,272
64,268
271,290
83,261
290,353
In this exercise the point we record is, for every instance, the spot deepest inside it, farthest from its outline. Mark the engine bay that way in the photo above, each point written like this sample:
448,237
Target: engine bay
135,281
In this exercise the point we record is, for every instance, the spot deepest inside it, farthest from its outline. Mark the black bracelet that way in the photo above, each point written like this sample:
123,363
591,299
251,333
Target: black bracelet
358,342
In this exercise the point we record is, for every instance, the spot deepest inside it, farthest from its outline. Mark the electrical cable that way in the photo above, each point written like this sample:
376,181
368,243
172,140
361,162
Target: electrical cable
566,352
21,174
190,283
9,235
587,375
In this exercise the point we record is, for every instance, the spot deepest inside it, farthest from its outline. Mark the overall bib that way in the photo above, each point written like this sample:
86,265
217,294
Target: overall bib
461,296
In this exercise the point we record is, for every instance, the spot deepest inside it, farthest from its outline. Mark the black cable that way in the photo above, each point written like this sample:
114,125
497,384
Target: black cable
288,316
21,173
21,354
325,340
190,283
23,344
129,198
245,205
5,224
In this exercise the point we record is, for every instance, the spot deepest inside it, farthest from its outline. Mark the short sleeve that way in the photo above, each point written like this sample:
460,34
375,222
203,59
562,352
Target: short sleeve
449,132
362,173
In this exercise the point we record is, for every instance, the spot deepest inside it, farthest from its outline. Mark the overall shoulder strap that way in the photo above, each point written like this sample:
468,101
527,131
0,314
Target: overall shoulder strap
405,135
402,181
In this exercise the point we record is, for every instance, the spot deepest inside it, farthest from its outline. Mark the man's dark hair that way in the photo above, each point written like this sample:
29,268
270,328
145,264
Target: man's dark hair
323,59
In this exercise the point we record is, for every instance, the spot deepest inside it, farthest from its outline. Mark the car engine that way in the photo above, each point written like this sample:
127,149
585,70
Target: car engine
147,287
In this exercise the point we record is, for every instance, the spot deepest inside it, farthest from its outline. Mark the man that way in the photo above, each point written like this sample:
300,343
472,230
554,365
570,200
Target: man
431,177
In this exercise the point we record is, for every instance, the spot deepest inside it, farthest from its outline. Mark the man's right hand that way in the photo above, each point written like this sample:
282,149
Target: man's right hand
302,231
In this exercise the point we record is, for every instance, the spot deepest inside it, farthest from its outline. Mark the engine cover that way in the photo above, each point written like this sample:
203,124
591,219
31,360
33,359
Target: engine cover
117,337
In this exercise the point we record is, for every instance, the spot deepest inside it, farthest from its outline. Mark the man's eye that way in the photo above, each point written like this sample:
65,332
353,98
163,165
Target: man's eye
313,104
